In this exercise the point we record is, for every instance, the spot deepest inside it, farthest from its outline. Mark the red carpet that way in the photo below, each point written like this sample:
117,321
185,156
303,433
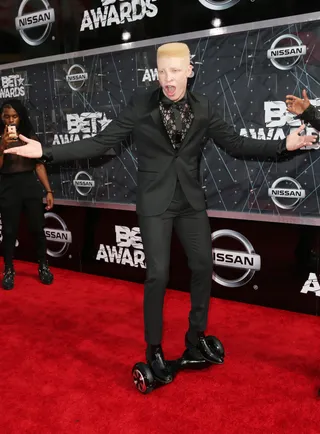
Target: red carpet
67,351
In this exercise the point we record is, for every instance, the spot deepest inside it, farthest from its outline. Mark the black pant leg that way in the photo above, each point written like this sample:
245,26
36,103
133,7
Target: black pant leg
193,230
35,213
10,218
156,234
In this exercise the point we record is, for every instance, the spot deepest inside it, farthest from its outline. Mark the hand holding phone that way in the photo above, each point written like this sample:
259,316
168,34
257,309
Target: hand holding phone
7,138
12,133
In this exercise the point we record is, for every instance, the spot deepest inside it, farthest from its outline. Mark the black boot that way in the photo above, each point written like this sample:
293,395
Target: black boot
156,361
8,278
45,275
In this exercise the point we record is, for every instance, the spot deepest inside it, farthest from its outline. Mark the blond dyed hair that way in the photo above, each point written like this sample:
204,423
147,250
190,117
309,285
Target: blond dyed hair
174,49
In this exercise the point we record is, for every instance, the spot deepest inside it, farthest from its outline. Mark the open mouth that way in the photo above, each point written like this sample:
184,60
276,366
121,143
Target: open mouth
170,90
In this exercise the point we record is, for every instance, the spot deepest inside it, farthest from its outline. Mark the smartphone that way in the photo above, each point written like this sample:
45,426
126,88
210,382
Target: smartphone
12,131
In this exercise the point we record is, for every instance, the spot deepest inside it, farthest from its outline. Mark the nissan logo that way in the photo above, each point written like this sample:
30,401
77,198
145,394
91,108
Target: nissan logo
290,51
297,193
217,5
246,260
83,183
61,236
76,77
42,18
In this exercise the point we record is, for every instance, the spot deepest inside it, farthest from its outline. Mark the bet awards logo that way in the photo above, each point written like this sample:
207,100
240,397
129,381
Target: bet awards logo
276,118
128,251
290,197
42,18
118,12
82,126
246,260
218,5
83,183
288,51
311,285
12,86
149,75
58,236
76,77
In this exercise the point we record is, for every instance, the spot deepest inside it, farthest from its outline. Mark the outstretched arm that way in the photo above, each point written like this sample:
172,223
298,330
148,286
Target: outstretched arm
119,129
227,138
43,176
304,109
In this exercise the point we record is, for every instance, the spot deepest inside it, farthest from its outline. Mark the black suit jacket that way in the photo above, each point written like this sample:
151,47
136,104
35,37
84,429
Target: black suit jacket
159,165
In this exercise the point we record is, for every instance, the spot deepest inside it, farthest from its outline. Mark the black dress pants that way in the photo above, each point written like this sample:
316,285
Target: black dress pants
193,230
21,192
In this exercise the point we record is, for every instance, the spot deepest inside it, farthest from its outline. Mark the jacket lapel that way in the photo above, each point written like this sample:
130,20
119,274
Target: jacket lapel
155,111
198,116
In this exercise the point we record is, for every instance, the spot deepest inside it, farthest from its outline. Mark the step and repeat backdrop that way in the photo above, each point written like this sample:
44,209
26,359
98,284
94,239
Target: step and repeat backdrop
247,56
247,75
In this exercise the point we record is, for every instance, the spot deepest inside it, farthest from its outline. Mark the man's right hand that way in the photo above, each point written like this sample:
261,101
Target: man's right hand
297,105
31,149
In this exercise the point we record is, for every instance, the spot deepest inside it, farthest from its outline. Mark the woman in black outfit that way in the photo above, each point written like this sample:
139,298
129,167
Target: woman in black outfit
20,189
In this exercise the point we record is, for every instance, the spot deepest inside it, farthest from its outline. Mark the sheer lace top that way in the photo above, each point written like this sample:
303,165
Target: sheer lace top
14,163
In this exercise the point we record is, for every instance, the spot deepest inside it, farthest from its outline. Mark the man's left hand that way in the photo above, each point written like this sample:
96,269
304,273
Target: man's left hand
49,200
295,142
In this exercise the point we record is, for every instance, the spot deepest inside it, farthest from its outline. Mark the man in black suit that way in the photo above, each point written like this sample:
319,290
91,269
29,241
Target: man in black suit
168,128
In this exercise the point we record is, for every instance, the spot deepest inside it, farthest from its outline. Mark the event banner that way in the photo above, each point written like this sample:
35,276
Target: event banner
38,28
246,75
248,267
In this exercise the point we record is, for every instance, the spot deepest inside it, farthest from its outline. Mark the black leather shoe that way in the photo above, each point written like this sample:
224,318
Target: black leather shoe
45,275
156,361
208,352
8,278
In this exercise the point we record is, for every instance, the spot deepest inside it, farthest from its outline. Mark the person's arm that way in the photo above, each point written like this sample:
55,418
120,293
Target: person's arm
304,109
4,142
227,138
312,116
43,177
118,130
1,152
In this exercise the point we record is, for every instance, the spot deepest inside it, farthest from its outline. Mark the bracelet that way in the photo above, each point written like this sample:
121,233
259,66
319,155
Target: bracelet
50,191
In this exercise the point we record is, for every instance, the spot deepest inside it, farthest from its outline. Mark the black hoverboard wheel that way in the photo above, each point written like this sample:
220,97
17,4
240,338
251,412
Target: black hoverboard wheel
215,345
143,378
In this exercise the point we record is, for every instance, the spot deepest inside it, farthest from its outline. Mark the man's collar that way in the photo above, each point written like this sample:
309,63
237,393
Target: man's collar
156,95
168,102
